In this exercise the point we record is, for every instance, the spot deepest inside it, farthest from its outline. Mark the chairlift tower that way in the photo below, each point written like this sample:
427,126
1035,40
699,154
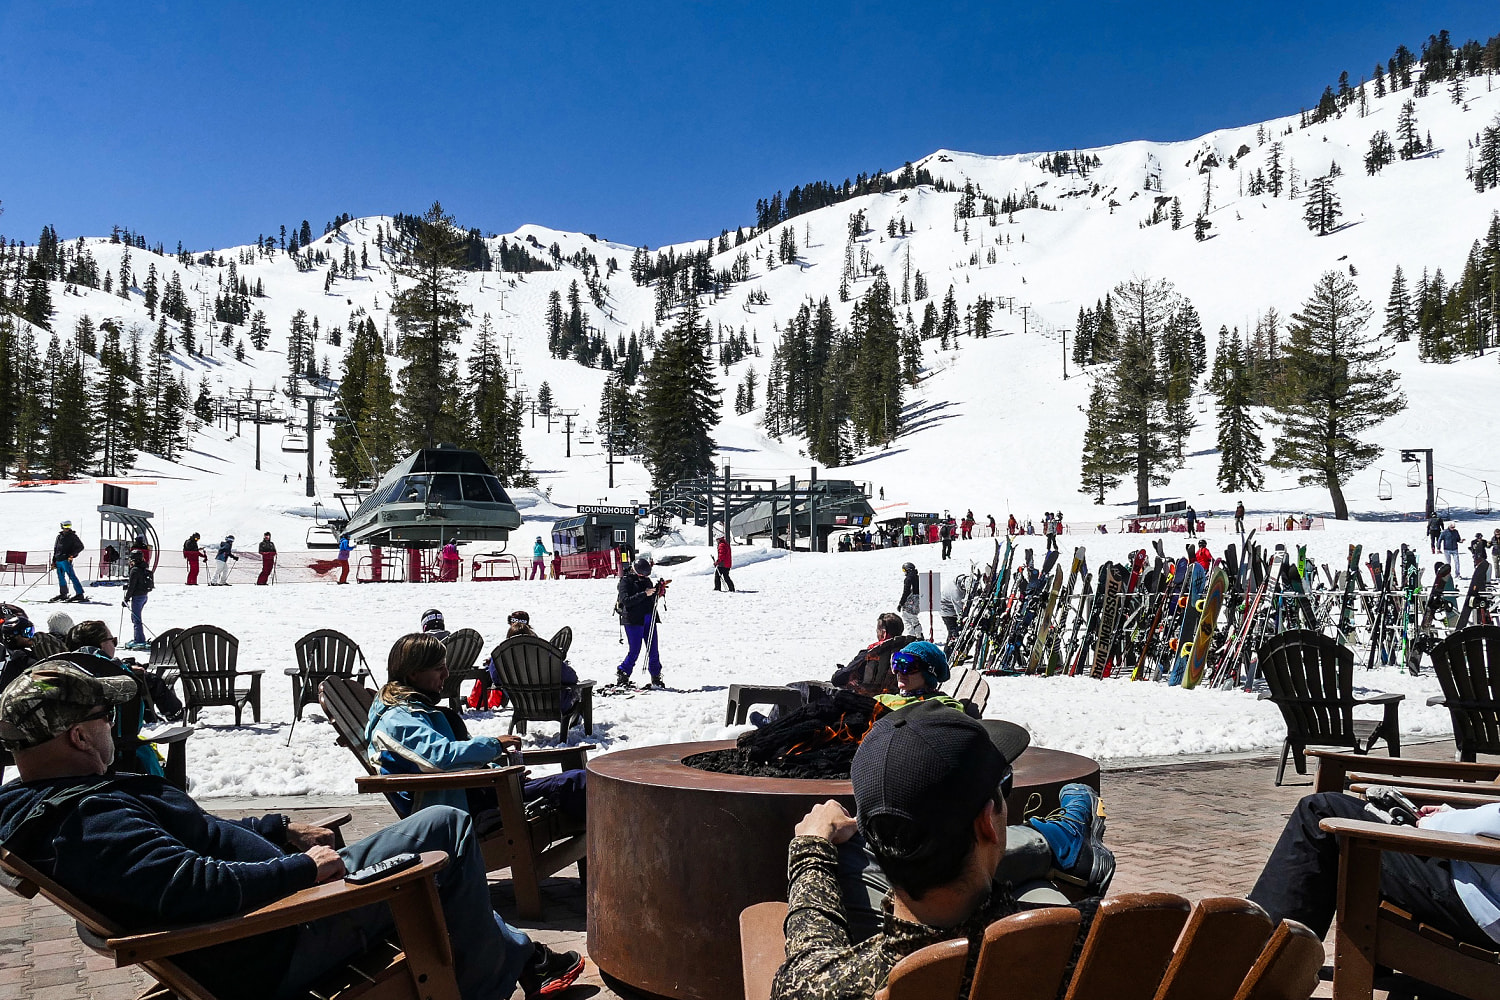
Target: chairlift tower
312,398
1410,455
259,397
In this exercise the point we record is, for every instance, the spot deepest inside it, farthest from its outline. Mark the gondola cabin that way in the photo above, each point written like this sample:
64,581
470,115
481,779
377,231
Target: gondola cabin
596,543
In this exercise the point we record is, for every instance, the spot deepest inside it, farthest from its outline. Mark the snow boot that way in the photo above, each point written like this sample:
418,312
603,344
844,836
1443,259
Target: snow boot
622,679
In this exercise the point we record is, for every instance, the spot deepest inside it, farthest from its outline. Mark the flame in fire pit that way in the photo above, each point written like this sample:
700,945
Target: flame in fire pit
850,727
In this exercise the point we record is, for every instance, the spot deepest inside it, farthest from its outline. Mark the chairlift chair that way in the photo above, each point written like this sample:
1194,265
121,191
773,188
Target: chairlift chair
1386,492
294,440
1482,500
1414,474
586,437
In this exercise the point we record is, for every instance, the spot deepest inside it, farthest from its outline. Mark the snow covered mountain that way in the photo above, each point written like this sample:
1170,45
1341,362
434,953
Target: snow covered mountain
993,424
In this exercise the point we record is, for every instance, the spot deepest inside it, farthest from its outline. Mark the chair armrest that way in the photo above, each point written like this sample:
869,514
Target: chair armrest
559,755
318,901
586,685
289,671
1380,699
1431,797
1437,699
1413,840
1333,766
478,778
1426,784
248,673
331,821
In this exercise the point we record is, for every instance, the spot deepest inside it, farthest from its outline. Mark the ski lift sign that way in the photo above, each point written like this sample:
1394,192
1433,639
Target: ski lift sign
619,510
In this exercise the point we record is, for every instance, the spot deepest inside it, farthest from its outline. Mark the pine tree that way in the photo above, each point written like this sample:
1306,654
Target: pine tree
1276,172
70,439
544,400
1179,370
1322,210
679,405
1104,463
1176,213
429,317
494,430
203,406
1334,389
110,401
1407,131
260,333
875,379
1487,164
1380,154
1135,385
1398,311
1240,445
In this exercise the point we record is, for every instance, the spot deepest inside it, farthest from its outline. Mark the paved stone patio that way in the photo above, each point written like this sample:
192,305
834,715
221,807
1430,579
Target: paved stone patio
1199,827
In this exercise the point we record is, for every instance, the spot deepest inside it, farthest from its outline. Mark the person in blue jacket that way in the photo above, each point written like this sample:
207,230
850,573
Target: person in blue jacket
410,732
148,857
345,547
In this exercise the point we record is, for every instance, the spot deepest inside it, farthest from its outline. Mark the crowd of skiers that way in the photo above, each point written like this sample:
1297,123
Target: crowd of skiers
1445,538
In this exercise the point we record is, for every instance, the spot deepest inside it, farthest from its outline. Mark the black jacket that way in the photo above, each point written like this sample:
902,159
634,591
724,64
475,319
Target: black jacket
67,546
634,599
909,587
148,856
141,580
266,545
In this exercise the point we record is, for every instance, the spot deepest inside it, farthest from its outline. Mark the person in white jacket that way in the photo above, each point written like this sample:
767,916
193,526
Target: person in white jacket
1300,879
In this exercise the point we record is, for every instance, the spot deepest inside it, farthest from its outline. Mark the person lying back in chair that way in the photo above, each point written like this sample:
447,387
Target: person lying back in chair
1301,878
148,857
930,786
410,732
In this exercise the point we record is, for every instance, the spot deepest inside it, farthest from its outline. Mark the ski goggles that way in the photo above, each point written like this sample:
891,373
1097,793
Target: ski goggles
518,618
903,663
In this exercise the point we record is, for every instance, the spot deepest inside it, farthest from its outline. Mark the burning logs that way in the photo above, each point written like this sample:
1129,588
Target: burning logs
817,740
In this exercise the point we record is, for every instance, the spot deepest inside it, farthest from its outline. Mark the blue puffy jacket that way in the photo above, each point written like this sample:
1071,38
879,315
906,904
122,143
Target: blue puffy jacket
415,737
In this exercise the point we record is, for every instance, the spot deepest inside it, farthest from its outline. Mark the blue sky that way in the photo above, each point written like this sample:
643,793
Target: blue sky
641,122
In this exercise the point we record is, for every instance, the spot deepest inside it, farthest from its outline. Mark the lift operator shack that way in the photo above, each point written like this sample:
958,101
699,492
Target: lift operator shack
595,544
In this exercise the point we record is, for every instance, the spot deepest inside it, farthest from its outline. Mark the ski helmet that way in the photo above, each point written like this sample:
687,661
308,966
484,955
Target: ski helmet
15,628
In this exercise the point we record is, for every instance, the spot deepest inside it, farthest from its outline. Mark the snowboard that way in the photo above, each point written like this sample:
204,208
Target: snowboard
1213,602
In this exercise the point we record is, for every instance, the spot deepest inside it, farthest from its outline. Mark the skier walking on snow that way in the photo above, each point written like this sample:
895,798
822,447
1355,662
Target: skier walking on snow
636,599
1239,518
64,550
137,586
345,547
1434,532
723,560
222,556
908,603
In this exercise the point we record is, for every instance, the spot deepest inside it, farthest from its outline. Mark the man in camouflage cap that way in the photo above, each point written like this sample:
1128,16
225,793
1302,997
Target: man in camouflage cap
51,700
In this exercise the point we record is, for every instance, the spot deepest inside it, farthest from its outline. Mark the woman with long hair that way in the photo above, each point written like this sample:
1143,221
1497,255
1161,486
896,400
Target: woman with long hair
410,732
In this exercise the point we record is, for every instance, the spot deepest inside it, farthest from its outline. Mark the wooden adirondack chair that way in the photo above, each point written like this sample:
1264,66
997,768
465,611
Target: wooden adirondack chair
464,647
160,657
1311,679
1140,946
970,688
532,845
1468,667
420,968
320,655
1371,932
207,663
529,671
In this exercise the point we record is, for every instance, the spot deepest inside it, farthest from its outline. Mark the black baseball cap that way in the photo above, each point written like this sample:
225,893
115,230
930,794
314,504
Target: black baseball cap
931,766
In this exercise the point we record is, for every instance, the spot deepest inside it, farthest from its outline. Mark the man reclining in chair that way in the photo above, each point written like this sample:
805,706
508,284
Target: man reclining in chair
147,856
930,785
1301,878
409,732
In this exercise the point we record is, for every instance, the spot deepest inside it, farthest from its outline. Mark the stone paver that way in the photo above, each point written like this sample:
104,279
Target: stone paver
1199,828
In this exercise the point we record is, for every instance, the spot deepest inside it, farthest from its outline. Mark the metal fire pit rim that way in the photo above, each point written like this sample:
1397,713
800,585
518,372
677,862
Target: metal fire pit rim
662,766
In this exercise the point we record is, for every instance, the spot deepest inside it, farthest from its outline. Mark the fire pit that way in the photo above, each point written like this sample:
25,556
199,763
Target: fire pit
675,853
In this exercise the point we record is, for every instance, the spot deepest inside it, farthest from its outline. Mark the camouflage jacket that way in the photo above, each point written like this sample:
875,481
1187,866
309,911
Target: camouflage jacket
820,962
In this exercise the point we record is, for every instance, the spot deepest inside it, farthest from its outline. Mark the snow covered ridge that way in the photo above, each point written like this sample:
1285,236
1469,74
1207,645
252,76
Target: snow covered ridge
992,423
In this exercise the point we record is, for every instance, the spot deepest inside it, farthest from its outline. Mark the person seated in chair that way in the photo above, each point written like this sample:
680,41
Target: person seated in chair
162,703
433,624
930,786
148,857
410,732
918,668
869,670
1300,880
519,623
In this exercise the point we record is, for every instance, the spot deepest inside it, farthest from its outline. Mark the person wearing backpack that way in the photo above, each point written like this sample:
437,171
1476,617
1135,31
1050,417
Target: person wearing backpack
138,585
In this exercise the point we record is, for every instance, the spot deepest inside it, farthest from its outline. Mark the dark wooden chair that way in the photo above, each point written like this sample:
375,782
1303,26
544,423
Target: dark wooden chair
1467,664
207,660
419,968
529,671
1140,946
1338,771
532,844
320,655
464,647
45,644
1311,679
160,658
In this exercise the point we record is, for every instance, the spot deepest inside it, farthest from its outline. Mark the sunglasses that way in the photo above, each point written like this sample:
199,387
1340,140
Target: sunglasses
109,714
1007,781
903,662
